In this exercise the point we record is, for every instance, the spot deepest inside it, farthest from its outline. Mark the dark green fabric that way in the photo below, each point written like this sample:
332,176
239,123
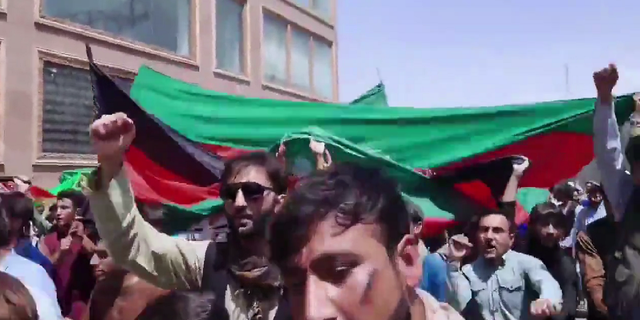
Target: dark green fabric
376,96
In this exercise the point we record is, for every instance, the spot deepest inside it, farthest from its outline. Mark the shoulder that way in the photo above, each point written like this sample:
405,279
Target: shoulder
29,272
435,309
524,261
46,305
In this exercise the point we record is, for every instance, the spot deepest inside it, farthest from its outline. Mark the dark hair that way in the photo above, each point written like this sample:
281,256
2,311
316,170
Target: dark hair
415,213
77,198
349,193
564,189
179,305
548,208
16,205
273,167
16,303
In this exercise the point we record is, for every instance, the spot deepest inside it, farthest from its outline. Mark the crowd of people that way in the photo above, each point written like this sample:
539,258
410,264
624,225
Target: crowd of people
343,243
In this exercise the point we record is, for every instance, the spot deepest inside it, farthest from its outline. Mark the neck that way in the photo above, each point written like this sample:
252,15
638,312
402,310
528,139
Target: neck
254,246
417,308
5,251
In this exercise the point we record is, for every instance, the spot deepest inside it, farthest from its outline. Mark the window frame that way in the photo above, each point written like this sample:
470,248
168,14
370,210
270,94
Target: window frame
312,93
245,75
44,158
86,31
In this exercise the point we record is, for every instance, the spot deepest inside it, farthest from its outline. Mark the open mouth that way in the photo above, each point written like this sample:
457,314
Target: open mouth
243,224
490,247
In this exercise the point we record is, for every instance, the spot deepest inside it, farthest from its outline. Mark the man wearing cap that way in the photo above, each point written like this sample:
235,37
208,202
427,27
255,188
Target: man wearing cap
622,188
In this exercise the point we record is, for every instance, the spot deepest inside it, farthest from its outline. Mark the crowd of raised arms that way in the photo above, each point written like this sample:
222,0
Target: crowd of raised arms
342,244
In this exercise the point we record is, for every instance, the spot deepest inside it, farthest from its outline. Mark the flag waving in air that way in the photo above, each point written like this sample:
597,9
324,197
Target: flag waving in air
185,132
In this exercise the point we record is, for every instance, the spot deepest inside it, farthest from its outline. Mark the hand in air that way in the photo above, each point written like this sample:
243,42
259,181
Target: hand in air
605,80
111,135
520,165
317,147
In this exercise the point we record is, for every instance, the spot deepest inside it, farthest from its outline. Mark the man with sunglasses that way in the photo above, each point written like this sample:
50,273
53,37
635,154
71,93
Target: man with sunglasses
238,272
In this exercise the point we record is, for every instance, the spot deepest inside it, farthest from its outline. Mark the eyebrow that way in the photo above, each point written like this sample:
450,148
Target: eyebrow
329,257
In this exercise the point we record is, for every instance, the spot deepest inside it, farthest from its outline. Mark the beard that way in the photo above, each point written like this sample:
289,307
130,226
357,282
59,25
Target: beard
250,226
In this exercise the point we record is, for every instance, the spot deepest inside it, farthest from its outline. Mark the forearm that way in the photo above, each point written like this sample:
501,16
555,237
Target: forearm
88,246
132,242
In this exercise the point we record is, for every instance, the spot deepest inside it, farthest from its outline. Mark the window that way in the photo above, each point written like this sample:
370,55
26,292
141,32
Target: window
165,24
321,7
300,60
323,68
230,36
67,109
275,50
297,59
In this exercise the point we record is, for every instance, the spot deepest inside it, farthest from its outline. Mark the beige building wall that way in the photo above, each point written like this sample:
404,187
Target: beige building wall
32,41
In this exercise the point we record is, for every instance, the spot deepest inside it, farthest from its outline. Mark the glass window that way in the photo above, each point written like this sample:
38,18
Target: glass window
229,36
300,60
275,50
165,24
322,7
303,3
323,69
67,109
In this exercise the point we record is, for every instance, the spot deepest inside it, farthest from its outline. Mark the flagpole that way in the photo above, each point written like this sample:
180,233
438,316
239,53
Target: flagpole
566,80
379,75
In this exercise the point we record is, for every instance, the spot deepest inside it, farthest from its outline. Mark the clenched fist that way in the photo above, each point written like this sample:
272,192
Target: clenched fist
111,135
605,80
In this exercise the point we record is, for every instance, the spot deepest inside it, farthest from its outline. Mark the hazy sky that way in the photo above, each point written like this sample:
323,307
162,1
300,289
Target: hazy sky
463,53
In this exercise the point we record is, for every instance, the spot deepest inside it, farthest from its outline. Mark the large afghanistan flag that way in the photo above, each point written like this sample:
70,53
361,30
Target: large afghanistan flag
184,134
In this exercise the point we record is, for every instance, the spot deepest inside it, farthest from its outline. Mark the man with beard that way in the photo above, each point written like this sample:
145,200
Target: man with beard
344,245
547,226
246,285
501,283
622,188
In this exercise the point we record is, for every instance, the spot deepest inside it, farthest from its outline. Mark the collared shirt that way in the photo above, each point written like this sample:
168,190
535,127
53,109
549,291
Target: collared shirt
585,215
37,281
504,292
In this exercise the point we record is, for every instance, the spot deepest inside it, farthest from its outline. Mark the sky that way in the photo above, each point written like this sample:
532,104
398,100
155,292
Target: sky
477,53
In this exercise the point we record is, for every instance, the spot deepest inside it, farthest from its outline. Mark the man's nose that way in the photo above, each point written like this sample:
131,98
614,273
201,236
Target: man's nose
318,302
550,230
240,200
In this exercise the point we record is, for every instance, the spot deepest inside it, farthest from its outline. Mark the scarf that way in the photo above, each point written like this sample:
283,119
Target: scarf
258,281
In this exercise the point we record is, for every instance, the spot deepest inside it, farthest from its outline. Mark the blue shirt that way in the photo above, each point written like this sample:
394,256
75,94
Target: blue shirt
504,292
37,281
29,251
434,276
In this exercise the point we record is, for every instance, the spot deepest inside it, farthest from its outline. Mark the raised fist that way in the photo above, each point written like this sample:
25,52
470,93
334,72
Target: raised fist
520,165
316,147
605,80
111,135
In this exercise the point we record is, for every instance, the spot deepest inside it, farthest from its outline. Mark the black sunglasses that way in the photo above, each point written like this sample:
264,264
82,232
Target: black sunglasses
250,190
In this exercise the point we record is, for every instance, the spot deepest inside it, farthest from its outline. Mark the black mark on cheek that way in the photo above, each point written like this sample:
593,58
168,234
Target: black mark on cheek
368,286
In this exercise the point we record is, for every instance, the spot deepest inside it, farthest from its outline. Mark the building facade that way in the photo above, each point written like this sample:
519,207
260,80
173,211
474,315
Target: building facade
277,49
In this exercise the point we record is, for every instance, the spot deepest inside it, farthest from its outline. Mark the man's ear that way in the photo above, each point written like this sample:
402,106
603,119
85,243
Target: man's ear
408,260
280,201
